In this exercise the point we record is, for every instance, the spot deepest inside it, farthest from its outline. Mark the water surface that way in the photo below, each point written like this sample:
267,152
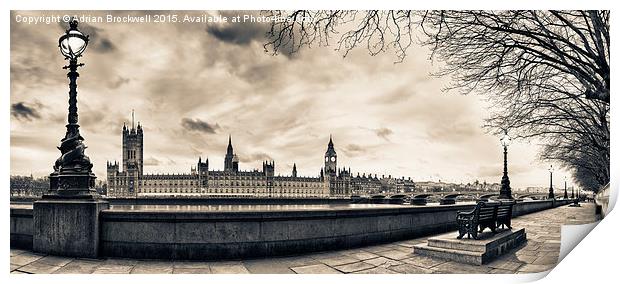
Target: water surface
249,207
243,207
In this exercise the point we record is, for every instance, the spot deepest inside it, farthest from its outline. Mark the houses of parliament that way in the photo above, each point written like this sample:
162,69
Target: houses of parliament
201,181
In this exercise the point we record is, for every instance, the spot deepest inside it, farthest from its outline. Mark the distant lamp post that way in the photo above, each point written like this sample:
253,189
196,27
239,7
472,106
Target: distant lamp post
551,194
576,200
72,174
565,189
505,192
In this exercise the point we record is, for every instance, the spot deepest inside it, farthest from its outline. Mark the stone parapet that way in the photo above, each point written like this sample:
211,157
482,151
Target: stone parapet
219,235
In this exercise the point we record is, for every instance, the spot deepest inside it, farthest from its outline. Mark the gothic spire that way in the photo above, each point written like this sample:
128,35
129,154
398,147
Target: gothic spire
229,150
330,147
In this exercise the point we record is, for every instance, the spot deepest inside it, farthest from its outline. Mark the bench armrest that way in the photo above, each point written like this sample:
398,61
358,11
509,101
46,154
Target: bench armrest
470,212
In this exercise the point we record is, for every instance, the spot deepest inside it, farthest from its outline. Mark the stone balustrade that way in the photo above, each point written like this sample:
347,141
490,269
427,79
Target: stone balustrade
220,235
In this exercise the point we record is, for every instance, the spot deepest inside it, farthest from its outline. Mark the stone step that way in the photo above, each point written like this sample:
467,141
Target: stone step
449,254
471,251
487,241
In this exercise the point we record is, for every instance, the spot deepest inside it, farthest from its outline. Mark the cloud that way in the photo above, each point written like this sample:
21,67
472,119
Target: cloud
93,120
27,141
151,162
454,131
238,33
398,95
353,150
496,170
384,133
199,125
118,82
22,111
104,45
256,157
275,107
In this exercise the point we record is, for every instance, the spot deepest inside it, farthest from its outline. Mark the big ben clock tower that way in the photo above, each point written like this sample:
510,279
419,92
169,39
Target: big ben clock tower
330,158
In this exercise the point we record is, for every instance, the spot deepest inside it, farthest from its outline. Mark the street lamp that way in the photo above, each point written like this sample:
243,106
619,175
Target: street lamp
565,189
72,174
551,195
66,219
505,192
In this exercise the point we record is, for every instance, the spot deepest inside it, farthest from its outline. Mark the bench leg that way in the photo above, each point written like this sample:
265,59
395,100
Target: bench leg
461,233
462,229
505,224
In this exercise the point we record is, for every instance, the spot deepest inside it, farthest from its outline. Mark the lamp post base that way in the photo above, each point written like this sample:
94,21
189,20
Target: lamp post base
66,220
67,226
72,183
505,192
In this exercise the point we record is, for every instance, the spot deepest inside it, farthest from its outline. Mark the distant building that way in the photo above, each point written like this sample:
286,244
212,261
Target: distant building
27,186
439,186
405,185
365,185
101,188
130,180
432,186
537,189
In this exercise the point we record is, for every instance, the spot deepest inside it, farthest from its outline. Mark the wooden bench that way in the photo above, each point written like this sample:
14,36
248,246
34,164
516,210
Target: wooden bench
504,214
485,215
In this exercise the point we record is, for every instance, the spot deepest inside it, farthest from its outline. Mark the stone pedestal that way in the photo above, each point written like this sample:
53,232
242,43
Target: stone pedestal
67,226
471,251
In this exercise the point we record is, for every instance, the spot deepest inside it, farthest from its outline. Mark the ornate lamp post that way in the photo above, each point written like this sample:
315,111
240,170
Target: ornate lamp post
505,192
66,221
551,194
565,192
72,174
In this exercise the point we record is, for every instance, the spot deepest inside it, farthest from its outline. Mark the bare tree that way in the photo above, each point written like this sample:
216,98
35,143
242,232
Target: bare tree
546,73
374,30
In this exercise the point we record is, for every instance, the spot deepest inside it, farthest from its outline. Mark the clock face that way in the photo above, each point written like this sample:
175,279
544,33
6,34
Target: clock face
333,159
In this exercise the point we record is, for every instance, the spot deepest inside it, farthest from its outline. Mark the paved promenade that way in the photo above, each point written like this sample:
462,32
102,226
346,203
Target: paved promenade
540,253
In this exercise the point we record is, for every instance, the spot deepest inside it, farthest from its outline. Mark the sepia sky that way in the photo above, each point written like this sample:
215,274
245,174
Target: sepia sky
193,84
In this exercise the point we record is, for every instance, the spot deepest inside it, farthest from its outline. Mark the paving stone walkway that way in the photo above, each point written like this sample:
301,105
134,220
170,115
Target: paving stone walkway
540,253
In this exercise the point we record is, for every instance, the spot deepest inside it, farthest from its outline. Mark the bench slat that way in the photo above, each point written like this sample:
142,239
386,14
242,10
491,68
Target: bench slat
488,214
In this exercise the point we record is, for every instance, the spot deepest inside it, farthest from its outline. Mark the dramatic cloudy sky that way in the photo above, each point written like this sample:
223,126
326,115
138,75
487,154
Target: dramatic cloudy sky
192,85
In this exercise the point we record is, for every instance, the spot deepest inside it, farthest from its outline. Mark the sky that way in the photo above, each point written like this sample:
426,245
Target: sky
193,84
